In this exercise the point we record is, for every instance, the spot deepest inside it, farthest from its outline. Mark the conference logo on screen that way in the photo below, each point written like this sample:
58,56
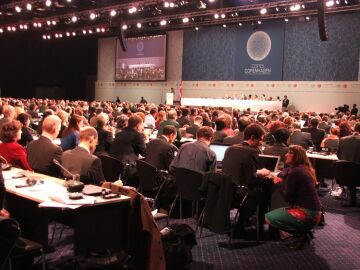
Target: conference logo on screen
258,48
140,48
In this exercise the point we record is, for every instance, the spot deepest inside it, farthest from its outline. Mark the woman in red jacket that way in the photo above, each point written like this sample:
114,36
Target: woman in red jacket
13,152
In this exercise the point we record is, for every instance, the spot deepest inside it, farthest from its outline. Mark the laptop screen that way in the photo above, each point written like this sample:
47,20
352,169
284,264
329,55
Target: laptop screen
219,150
269,162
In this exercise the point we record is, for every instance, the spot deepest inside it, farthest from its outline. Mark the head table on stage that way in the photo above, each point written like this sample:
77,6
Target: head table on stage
255,105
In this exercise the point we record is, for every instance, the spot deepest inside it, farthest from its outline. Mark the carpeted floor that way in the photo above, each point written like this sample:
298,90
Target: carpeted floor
336,246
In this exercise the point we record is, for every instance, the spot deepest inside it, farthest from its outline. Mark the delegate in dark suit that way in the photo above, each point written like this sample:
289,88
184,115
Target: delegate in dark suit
41,152
127,146
349,148
105,139
80,161
317,135
301,138
237,139
160,153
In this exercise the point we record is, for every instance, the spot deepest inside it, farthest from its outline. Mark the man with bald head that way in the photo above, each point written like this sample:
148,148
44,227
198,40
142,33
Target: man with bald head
41,152
9,115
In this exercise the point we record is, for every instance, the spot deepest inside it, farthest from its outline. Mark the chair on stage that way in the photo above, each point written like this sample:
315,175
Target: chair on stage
150,184
188,184
347,175
112,168
13,246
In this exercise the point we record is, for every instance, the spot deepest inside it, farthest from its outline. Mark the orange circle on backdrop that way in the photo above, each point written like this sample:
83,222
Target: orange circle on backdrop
319,85
273,85
345,85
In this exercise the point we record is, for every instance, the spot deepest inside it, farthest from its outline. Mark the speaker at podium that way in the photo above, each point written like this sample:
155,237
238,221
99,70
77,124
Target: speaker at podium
170,98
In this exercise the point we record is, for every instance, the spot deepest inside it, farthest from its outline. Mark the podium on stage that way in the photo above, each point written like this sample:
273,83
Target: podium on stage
170,98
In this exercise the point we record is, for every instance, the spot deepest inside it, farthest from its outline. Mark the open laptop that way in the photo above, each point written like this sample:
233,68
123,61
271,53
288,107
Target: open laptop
269,162
219,150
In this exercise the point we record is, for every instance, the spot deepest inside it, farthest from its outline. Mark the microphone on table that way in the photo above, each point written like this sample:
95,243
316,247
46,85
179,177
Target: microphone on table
73,185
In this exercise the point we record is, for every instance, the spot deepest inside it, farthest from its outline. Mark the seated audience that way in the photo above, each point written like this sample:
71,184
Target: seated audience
81,161
273,126
26,131
41,152
105,137
332,141
344,129
196,155
197,123
150,118
12,151
298,137
70,136
121,122
219,134
184,120
243,122
317,135
130,142
299,181
160,151
171,120
3,212
161,116
8,113
280,146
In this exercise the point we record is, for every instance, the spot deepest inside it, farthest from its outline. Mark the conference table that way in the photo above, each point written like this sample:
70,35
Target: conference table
254,105
99,224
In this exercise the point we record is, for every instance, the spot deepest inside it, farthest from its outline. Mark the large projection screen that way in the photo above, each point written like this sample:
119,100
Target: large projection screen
144,60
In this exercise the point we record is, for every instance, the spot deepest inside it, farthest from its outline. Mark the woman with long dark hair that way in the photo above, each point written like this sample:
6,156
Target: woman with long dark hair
70,136
298,189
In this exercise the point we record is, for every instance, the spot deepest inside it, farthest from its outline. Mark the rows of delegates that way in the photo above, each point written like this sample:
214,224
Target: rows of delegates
36,131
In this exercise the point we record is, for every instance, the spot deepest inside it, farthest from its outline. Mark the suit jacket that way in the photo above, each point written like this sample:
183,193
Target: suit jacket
105,139
325,126
301,138
196,156
41,152
80,161
192,130
237,139
240,163
160,153
127,146
171,123
183,120
317,135
349,148
277,149
26,137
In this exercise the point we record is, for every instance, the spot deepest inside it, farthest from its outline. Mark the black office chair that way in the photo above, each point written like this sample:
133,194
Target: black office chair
13,246
150,185
188,183
347,174
113,168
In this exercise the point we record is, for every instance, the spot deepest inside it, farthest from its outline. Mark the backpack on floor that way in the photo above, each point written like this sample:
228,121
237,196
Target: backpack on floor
178,240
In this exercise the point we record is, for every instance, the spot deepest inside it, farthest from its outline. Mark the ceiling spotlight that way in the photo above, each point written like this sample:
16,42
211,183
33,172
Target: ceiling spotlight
84,32
44,37
211,1
92,16
223,16
25,27
307,18
259,22
48,3
163,22
197,28
277,9
68,1
56,35
102,30
216,16
18,9
98,30
124,27
263,11
224,25
60,35
286,20
295,7
166,4
48,22
138,25
21,26
201,5
67,34
330,3
240,24
171,4
1,30
39,24
113,13
49,37
90,31
9,28
53,22
337,2
303,6
74,19
185,20
74,34
35,24
132,10
28,6
346,2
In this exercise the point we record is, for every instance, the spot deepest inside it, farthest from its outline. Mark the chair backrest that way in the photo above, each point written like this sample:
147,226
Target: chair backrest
112,168
346,173
148,176
9,235
188,183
